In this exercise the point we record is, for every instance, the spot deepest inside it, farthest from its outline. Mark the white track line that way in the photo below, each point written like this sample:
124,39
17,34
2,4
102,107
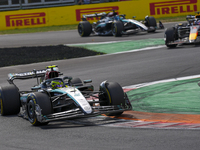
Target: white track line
161,81
95,43
101,42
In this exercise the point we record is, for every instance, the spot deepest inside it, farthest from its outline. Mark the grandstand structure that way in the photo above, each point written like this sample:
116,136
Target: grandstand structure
30,4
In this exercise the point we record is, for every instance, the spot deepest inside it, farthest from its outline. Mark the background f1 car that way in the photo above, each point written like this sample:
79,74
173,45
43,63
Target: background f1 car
113,24
184,33
55,98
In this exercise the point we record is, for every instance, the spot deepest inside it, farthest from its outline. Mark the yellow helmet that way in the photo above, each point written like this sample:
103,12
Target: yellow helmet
56,84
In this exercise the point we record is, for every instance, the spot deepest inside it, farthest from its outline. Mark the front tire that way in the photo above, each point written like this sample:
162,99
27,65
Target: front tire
170,36
35,100
84,28
113,95
151,22
117,28
9,100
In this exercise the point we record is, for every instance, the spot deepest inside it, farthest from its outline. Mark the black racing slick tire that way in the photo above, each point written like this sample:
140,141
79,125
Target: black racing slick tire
114,95
170,36
151,22
84,28
9,100
117,28
43,101
75,82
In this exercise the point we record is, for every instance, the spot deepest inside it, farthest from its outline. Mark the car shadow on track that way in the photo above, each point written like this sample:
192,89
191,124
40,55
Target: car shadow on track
185,46
60,125
82,122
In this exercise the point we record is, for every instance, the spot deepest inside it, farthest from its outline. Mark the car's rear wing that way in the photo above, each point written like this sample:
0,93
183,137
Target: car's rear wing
190,18
27,75
31,74
84,18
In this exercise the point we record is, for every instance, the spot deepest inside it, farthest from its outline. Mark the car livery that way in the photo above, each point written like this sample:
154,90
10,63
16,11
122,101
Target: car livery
57,98
117,25
184,33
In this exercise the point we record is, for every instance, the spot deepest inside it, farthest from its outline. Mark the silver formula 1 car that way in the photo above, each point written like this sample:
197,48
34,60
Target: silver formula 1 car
57,98
184,33
113,24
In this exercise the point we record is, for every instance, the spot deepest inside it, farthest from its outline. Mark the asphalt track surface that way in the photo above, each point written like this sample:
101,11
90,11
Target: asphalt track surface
127,69
65,37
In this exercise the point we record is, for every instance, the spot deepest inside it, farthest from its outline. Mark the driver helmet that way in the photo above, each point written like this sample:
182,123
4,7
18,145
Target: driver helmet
56,84
117,18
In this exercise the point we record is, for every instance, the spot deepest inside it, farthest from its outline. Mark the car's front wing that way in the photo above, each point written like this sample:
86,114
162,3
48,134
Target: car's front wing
77,113
184,41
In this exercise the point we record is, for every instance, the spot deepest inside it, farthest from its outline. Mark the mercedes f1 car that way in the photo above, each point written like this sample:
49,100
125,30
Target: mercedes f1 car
184,33
113,24
55,98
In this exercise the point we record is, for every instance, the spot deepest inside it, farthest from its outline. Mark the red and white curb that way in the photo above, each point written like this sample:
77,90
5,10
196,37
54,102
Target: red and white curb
122,123
154,125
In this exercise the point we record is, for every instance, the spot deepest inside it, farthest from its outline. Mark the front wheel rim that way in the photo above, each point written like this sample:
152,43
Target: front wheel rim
114,30
80,30
31,110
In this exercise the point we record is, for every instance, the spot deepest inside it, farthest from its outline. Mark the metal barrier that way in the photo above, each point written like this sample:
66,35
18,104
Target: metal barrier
30,4
6,5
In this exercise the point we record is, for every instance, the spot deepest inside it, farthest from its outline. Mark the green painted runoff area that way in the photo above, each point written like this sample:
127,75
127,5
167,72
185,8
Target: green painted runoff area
123,46
177,97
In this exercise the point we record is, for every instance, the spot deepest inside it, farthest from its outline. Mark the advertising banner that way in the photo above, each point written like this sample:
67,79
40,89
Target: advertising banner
159,8
67,15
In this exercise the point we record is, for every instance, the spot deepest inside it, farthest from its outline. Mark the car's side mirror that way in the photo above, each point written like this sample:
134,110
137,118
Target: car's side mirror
87,81
36,88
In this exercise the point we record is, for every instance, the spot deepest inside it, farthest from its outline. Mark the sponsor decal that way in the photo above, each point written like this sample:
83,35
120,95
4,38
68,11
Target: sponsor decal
29,19
80,12
29,73
173,7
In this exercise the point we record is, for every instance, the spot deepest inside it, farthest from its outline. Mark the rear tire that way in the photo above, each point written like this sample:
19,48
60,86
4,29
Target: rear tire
43,101
84,28
114,95
170,35
117,28
9,100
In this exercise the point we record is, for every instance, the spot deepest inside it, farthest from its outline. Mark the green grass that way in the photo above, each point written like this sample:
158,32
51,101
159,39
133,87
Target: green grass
172,19
39,29
72,27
